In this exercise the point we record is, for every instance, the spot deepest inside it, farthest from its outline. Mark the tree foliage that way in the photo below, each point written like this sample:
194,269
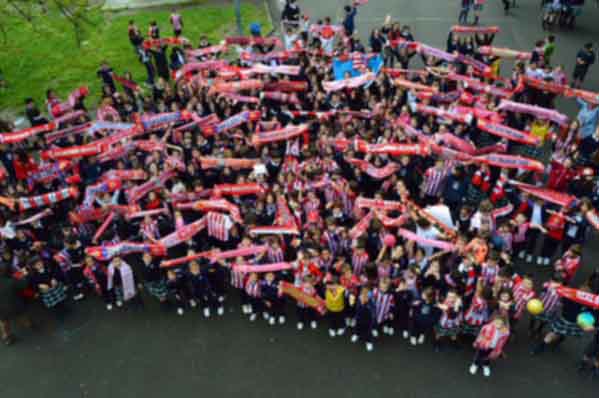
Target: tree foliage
39,14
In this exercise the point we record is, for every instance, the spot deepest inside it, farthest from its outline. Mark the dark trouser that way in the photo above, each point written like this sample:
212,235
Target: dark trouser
276,308
517,247
532,236
550,245
506,5
305,314
364,332
463,17
335,320
76,279
419,328
256,303
481,357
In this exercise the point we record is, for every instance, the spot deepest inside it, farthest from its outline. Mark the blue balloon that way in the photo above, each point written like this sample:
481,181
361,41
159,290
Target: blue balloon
585,319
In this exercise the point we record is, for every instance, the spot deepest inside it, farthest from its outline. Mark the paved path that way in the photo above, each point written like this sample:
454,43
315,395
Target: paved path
152,354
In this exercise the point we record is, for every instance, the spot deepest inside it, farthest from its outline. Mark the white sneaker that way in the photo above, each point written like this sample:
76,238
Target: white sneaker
546,261
206,312
348,322
180,311
332,333
354,338
539,260
220,311
405,334
265,316
253,317
78,297
473,369
300,325
375,333
340,332
421,339
353,323
281,320
390,331
385,330
369,347
313,325
192,303
221,299
528,258
413,340
119,303
109,307
272,321
486,371
521,255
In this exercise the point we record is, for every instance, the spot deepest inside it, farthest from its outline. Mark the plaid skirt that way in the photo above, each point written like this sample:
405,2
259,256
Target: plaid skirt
544,317
447,332
157,289
54,296
565,328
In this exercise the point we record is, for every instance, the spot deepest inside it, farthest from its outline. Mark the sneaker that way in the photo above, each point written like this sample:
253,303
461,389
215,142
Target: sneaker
385,330
421,339
473,369
390,331
220,311
192,303
340,331
281,320
486,371
300,325
265,316
109,307
528,258
253,317
206,312
332,333
119,303
272,321
354,338
405,334
221,299
313,325
78,297
521,255
539,260
413,340
546,261
369,347
353,323
180,311
348,322
375,333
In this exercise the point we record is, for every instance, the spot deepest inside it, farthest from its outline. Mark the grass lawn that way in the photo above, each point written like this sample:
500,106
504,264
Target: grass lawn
33,62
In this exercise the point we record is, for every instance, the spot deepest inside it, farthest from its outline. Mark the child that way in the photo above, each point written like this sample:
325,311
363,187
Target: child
175,291
252,289
383,304
335,302
451,319
489,345
273,302
551,302
177,22
96,274
48,282
306,314
523,292
477,313
403,298
154,278
424,316
569,263
365,320
200,290
121,282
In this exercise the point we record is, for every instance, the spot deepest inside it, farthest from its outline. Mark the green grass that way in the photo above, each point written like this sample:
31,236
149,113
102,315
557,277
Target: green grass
32,62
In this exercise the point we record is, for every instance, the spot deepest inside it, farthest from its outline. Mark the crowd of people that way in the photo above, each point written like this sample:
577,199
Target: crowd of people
320,177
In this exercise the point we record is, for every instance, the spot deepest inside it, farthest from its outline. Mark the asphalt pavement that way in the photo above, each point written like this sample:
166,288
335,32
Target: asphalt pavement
149,353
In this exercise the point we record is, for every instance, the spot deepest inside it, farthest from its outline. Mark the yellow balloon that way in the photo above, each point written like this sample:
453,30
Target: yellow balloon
535,306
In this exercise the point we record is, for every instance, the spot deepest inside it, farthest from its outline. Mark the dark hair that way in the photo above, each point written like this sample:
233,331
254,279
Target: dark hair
347,8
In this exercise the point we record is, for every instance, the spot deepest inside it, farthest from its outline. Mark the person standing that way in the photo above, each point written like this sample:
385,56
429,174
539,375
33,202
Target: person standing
12,305
463,17
349,22
584,59
177,23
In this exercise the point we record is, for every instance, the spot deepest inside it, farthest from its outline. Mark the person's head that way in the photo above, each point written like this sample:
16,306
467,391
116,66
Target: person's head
550,39
347,9
499,322
588,47
505,296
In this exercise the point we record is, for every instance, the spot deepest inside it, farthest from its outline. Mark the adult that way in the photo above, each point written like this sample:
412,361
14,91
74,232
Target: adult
12,305
584,59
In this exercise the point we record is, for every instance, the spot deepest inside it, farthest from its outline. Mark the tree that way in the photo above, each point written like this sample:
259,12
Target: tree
38,14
